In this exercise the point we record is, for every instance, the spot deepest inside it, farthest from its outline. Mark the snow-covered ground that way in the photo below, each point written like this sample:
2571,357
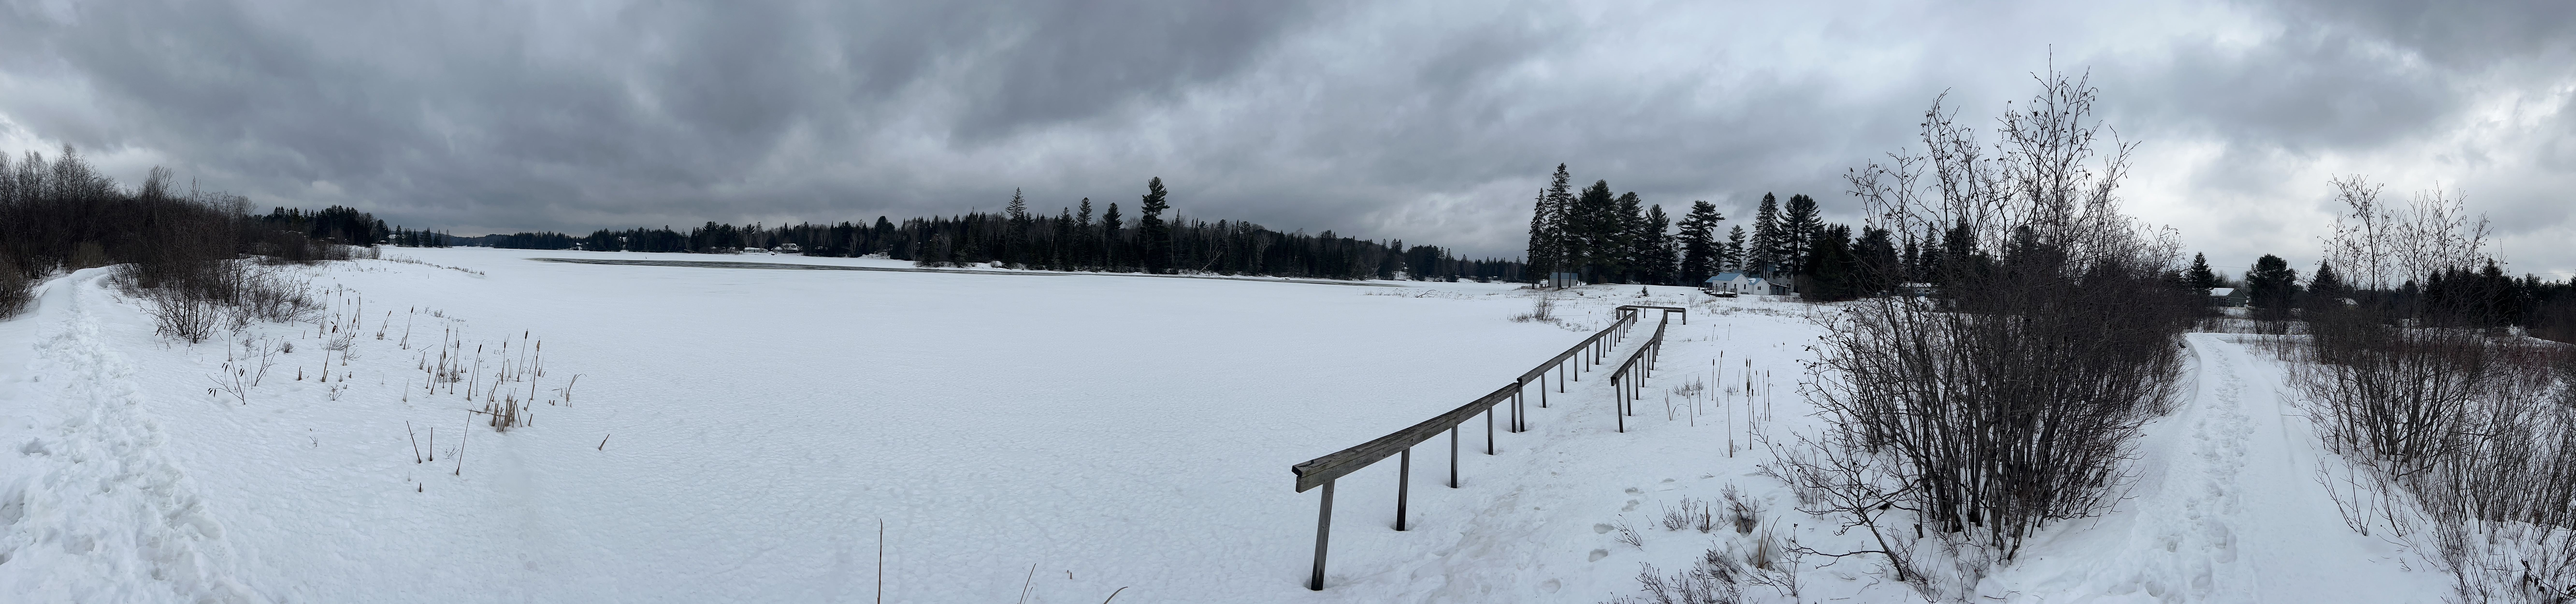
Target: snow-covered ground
739,435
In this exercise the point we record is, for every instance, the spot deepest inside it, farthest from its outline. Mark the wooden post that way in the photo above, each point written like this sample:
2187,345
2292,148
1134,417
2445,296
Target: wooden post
1323,533
1489,430
1542,390
1403,482
1453,457
1520,403
1614,408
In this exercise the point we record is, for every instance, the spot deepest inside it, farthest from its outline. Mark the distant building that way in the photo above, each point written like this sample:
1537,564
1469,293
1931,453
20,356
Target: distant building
1740,283
2227,296
1917,289
1562,280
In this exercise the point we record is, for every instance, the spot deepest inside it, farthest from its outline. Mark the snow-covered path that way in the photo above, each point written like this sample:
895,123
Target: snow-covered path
96,491
2225,507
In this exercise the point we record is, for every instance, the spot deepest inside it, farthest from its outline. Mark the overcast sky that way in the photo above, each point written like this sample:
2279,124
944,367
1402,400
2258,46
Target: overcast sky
1432,122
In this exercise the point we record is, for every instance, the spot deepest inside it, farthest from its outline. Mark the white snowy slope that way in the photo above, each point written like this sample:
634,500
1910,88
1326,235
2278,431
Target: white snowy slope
737,435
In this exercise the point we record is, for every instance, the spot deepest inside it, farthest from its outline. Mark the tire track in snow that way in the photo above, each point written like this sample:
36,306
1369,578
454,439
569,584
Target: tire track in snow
92,509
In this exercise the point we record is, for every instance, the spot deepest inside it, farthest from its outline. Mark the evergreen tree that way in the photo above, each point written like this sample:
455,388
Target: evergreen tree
2326,289
1701,254
2199,274
1016,250
1546,228
2275,285
1631,240
1086,251
1733,260
1109,239
1594,226
1879,268
1562,255
1831,271
1060,250
1662,254
1154,237
1799,230
1762,255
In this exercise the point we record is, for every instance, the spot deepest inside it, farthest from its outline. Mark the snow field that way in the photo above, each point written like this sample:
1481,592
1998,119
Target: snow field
737,435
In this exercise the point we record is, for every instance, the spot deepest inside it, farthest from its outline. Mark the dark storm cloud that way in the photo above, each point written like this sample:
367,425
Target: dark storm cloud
1429,121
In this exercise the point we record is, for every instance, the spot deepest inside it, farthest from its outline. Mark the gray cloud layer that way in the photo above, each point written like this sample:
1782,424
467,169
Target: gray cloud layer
1428,121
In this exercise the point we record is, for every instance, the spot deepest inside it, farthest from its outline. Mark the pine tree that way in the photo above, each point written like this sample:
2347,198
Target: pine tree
1799,230
1662,255
2275,285
1701,255
1733,260
1630,240
1564,255
1154,237
1593,228
1762,255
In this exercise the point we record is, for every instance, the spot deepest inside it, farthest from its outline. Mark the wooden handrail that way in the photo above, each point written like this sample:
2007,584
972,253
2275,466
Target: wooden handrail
1321,471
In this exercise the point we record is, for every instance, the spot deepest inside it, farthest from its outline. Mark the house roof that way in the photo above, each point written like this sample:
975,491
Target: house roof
1724,277
2220,292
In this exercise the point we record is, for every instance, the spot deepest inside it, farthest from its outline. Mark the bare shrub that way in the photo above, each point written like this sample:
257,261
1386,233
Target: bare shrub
1542,310
2462,435
1628,534
1711,580
2008,401
16,291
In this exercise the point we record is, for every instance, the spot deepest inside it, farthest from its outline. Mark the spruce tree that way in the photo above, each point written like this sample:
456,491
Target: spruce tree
2326,289
2200,275
1762,255
1541,259
1154,239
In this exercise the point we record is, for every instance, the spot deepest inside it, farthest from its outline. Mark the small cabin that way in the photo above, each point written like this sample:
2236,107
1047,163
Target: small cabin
2230,297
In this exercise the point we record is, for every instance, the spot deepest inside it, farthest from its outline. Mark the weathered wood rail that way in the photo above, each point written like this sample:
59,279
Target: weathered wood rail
1568,366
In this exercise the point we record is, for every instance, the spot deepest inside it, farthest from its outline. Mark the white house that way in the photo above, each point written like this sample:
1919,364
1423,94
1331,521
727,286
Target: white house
1740,283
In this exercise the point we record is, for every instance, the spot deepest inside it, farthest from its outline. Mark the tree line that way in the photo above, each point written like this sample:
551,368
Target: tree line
1606,238
2477,293
197,258
1073,239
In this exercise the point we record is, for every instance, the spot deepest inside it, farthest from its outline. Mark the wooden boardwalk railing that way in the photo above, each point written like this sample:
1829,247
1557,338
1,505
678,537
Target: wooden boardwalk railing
1568,366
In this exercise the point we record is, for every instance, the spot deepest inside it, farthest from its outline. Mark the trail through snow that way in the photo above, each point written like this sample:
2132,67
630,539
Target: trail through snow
2225,507
106,499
